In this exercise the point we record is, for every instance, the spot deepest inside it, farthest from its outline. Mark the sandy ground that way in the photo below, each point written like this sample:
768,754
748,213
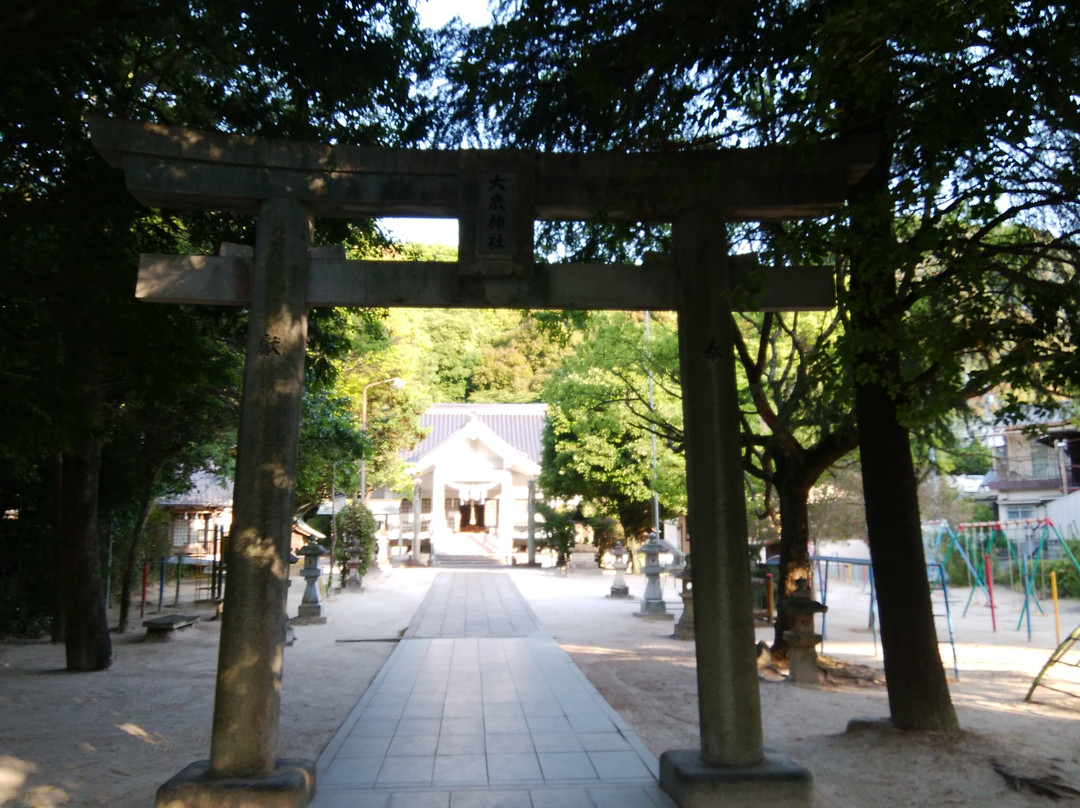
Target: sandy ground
110,738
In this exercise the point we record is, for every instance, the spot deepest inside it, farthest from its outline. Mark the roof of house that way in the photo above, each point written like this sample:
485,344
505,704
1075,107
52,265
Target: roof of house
207,490
520,425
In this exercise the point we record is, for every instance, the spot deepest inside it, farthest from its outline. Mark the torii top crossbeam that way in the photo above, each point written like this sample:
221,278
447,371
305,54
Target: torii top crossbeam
171,167
496,196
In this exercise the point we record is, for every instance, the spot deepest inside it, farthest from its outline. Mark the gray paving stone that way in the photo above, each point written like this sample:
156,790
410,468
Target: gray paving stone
509,743
491,798
548,724
459,718
405,771
615,766
418,799
365,746
461,745
561,798
374,728
557,742
418,726
473,725
603,742
352,772
628,797
514,768
497,724
413,746
453,770
565,766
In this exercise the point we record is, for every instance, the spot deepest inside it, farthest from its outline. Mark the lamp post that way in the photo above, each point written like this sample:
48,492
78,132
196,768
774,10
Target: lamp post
397,383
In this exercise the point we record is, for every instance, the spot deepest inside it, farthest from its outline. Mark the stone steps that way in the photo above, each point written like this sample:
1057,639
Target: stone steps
451,560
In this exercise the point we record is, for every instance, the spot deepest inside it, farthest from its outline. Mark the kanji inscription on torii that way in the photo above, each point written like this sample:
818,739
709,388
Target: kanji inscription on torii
496,211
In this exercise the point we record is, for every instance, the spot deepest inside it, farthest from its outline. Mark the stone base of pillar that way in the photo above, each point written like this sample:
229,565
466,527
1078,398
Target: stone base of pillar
309,614
655,615
621,592
583,559
778,782
290,785
654,610
802,659
685,631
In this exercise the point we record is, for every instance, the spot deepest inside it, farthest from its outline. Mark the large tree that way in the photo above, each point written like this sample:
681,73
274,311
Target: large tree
71,234
957,251
596,440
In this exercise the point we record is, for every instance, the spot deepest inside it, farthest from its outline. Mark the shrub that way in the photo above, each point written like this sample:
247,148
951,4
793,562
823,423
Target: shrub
356,526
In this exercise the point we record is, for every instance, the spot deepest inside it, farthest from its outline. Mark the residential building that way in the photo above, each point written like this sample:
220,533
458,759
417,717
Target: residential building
1033,465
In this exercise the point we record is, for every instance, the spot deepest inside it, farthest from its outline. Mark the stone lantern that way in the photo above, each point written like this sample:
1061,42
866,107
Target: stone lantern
619,589
800,609
652,605
684,629
353,581
311,610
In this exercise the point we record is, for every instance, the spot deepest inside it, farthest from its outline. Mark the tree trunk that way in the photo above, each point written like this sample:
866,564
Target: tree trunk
86,628
918,693
130,559
59,605
793,493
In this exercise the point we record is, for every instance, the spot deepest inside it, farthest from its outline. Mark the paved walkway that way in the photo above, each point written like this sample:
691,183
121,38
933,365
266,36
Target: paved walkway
478,707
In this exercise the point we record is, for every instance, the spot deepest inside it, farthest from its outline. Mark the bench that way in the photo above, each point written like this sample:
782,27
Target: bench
160,629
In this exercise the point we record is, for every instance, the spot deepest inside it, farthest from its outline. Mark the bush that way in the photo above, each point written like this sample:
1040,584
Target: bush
606,531
1068,579
356,526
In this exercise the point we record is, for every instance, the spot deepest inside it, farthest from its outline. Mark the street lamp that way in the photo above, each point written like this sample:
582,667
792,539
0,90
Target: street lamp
397,383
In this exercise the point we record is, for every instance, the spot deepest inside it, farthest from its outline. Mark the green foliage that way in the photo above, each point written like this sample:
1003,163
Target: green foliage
82,360
976,220
597,442
956,570
356,526
555,527
970,458
26,603
331,441
468,355
606,531
1068,579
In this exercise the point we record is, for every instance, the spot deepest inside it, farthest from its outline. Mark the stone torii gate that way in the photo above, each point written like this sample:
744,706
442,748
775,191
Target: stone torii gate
496,196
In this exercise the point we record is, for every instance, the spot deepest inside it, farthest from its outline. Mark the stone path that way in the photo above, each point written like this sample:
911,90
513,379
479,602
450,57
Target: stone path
478,707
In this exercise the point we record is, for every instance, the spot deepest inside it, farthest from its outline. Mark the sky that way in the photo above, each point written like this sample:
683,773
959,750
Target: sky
435,14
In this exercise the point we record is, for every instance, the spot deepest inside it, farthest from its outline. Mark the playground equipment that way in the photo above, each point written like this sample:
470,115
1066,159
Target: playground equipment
935,573
1020,544
1060,657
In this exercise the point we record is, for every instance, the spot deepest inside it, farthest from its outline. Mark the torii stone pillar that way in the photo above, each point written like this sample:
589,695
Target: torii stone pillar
417,521
531,524
732,767
243,745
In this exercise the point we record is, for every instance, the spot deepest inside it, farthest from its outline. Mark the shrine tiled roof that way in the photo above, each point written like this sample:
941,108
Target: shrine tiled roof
520,425
207,491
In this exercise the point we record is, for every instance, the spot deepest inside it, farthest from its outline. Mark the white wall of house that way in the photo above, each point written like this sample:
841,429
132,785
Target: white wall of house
1065,514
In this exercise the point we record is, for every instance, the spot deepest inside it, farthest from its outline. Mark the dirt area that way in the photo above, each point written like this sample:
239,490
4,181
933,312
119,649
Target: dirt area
110,738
